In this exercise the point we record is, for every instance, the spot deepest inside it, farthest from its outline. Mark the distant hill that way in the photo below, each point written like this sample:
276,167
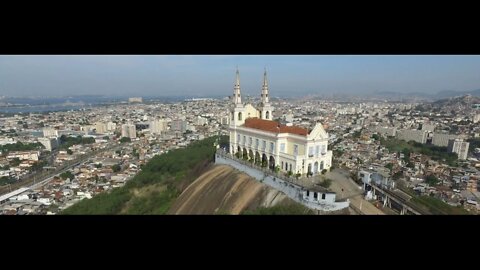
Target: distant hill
422,95
466,100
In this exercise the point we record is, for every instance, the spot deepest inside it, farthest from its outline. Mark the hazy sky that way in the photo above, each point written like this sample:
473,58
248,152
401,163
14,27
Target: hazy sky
158,75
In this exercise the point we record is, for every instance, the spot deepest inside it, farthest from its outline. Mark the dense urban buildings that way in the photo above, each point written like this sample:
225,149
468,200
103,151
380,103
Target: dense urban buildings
426,151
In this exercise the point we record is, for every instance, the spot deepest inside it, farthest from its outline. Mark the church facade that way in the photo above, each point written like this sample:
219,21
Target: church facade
256,137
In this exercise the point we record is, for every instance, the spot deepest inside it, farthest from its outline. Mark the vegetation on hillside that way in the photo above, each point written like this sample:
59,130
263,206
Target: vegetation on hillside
434,152
433,205
173,171
438,207
290,209
5,180
125,139
19,146
474,143
67,141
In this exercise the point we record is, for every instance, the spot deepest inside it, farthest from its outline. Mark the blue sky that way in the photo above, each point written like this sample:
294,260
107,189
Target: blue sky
202,75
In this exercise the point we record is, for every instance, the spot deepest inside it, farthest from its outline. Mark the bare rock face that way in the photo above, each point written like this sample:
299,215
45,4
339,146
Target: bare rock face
224,190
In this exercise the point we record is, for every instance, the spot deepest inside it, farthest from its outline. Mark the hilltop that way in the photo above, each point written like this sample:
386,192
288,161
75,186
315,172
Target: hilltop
185,181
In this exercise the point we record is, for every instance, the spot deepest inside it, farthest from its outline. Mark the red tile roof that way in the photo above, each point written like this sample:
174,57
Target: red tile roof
273,126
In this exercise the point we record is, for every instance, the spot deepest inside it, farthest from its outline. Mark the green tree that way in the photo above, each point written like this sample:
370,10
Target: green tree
5,180
66,175
116,168
125,139
15,162
432,180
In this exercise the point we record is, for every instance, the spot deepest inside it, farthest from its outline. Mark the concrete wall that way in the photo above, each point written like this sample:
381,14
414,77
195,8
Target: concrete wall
293,191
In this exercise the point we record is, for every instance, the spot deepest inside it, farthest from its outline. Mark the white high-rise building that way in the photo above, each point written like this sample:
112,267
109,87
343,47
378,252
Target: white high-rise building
441,139
428,127
49,143
201,121
458,146
179,125
158,126
101,127
419,136
50,132
135,100
476,118
129,131
111,126
253,135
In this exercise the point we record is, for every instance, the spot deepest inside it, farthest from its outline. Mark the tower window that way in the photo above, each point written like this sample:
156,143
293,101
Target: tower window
267,115
240,116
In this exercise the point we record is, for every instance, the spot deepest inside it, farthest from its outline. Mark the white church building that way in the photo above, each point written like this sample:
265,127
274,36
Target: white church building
256,137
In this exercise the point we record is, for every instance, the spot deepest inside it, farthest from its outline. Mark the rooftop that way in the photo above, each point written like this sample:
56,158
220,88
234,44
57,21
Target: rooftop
273,126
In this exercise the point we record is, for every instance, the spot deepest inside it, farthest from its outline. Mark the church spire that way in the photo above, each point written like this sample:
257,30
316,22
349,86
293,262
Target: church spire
237,97
265,88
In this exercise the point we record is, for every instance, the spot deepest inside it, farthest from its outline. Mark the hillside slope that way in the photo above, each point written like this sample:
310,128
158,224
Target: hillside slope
224,190
185,181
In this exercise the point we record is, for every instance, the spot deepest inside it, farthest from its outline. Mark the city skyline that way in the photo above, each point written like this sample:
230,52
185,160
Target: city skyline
202,75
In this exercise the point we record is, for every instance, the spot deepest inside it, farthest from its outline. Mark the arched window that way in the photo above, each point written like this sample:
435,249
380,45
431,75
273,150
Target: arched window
239,116
267,115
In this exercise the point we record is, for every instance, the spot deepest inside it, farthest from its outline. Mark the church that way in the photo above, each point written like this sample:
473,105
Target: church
254,136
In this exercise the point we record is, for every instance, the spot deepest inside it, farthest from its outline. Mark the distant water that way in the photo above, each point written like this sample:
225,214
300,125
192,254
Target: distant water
42,108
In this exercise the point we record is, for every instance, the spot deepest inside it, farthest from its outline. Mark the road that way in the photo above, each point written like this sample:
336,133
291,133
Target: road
43,178
341,181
